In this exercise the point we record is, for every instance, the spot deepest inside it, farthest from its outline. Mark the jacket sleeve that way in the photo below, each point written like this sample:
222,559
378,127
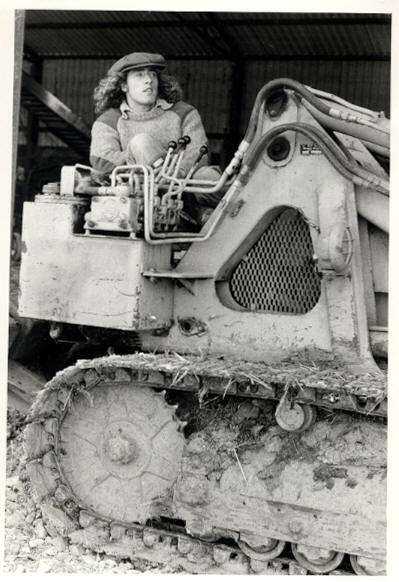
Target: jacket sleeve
105,147
192,126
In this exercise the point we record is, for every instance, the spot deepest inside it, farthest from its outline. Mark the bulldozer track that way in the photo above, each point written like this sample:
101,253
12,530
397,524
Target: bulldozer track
168,544
179,551
328,385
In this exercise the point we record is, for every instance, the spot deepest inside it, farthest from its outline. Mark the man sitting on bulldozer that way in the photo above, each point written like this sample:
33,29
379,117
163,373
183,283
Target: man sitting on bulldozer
140,111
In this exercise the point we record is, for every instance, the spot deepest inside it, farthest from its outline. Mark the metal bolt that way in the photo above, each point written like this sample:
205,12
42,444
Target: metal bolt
184,545
149,539
257,566
221,555
296,526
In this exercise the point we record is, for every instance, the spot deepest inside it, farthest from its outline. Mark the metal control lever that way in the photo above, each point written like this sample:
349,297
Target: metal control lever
202,152
182,143
160,177
182,183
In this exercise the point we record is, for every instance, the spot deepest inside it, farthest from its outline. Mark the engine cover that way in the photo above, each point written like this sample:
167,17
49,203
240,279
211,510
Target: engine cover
88,279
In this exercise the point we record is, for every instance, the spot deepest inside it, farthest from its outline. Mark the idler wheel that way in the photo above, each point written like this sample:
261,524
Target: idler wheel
317,560
294,417
269,548
368,566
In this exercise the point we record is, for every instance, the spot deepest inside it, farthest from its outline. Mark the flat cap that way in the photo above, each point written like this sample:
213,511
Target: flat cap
137,61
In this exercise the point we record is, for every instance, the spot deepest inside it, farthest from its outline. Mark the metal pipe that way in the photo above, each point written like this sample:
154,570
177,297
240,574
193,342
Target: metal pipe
207,230
172,145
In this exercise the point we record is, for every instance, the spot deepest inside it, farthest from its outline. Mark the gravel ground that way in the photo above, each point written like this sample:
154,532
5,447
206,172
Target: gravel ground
28,548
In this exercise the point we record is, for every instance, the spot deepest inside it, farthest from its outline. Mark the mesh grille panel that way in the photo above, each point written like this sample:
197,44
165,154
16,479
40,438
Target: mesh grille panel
278,274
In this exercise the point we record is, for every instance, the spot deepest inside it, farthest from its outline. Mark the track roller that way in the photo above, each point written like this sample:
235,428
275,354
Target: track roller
317,560
368,566
184,545
294,417
268,549
221,554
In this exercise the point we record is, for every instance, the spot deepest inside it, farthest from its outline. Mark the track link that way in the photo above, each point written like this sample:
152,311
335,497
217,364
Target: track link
328,385
174,549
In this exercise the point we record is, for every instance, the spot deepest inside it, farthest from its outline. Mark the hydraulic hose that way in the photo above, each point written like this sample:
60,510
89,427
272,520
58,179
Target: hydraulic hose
336,99
330,149
373,147
318,104
363,132
282,83
377,182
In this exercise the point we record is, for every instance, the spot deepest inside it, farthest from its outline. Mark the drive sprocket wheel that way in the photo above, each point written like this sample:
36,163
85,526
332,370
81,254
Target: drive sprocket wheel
120,451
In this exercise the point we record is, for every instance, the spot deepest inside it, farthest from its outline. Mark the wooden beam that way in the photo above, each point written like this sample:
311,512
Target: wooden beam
213,57
55,105
294,19
18,60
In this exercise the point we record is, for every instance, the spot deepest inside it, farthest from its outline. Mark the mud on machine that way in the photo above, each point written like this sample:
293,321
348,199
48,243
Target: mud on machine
237,422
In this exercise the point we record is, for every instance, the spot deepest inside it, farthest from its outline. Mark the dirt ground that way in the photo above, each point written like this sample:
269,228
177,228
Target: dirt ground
28,548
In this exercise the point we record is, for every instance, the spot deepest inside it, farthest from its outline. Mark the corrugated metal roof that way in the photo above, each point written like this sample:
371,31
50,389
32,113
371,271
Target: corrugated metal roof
89,42
308,40
200,34
60,17
91,16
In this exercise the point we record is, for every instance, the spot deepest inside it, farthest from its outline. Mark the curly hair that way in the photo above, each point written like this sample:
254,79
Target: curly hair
108,92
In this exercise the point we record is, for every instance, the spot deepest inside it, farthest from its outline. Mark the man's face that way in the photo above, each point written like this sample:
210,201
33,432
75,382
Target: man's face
141,88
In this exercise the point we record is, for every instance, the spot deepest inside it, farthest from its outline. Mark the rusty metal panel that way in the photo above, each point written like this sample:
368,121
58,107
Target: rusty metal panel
89,280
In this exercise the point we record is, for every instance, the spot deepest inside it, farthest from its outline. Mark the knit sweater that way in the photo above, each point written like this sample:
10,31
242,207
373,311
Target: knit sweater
113,129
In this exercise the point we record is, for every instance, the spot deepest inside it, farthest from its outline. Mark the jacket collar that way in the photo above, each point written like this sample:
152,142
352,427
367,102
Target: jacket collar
160,103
